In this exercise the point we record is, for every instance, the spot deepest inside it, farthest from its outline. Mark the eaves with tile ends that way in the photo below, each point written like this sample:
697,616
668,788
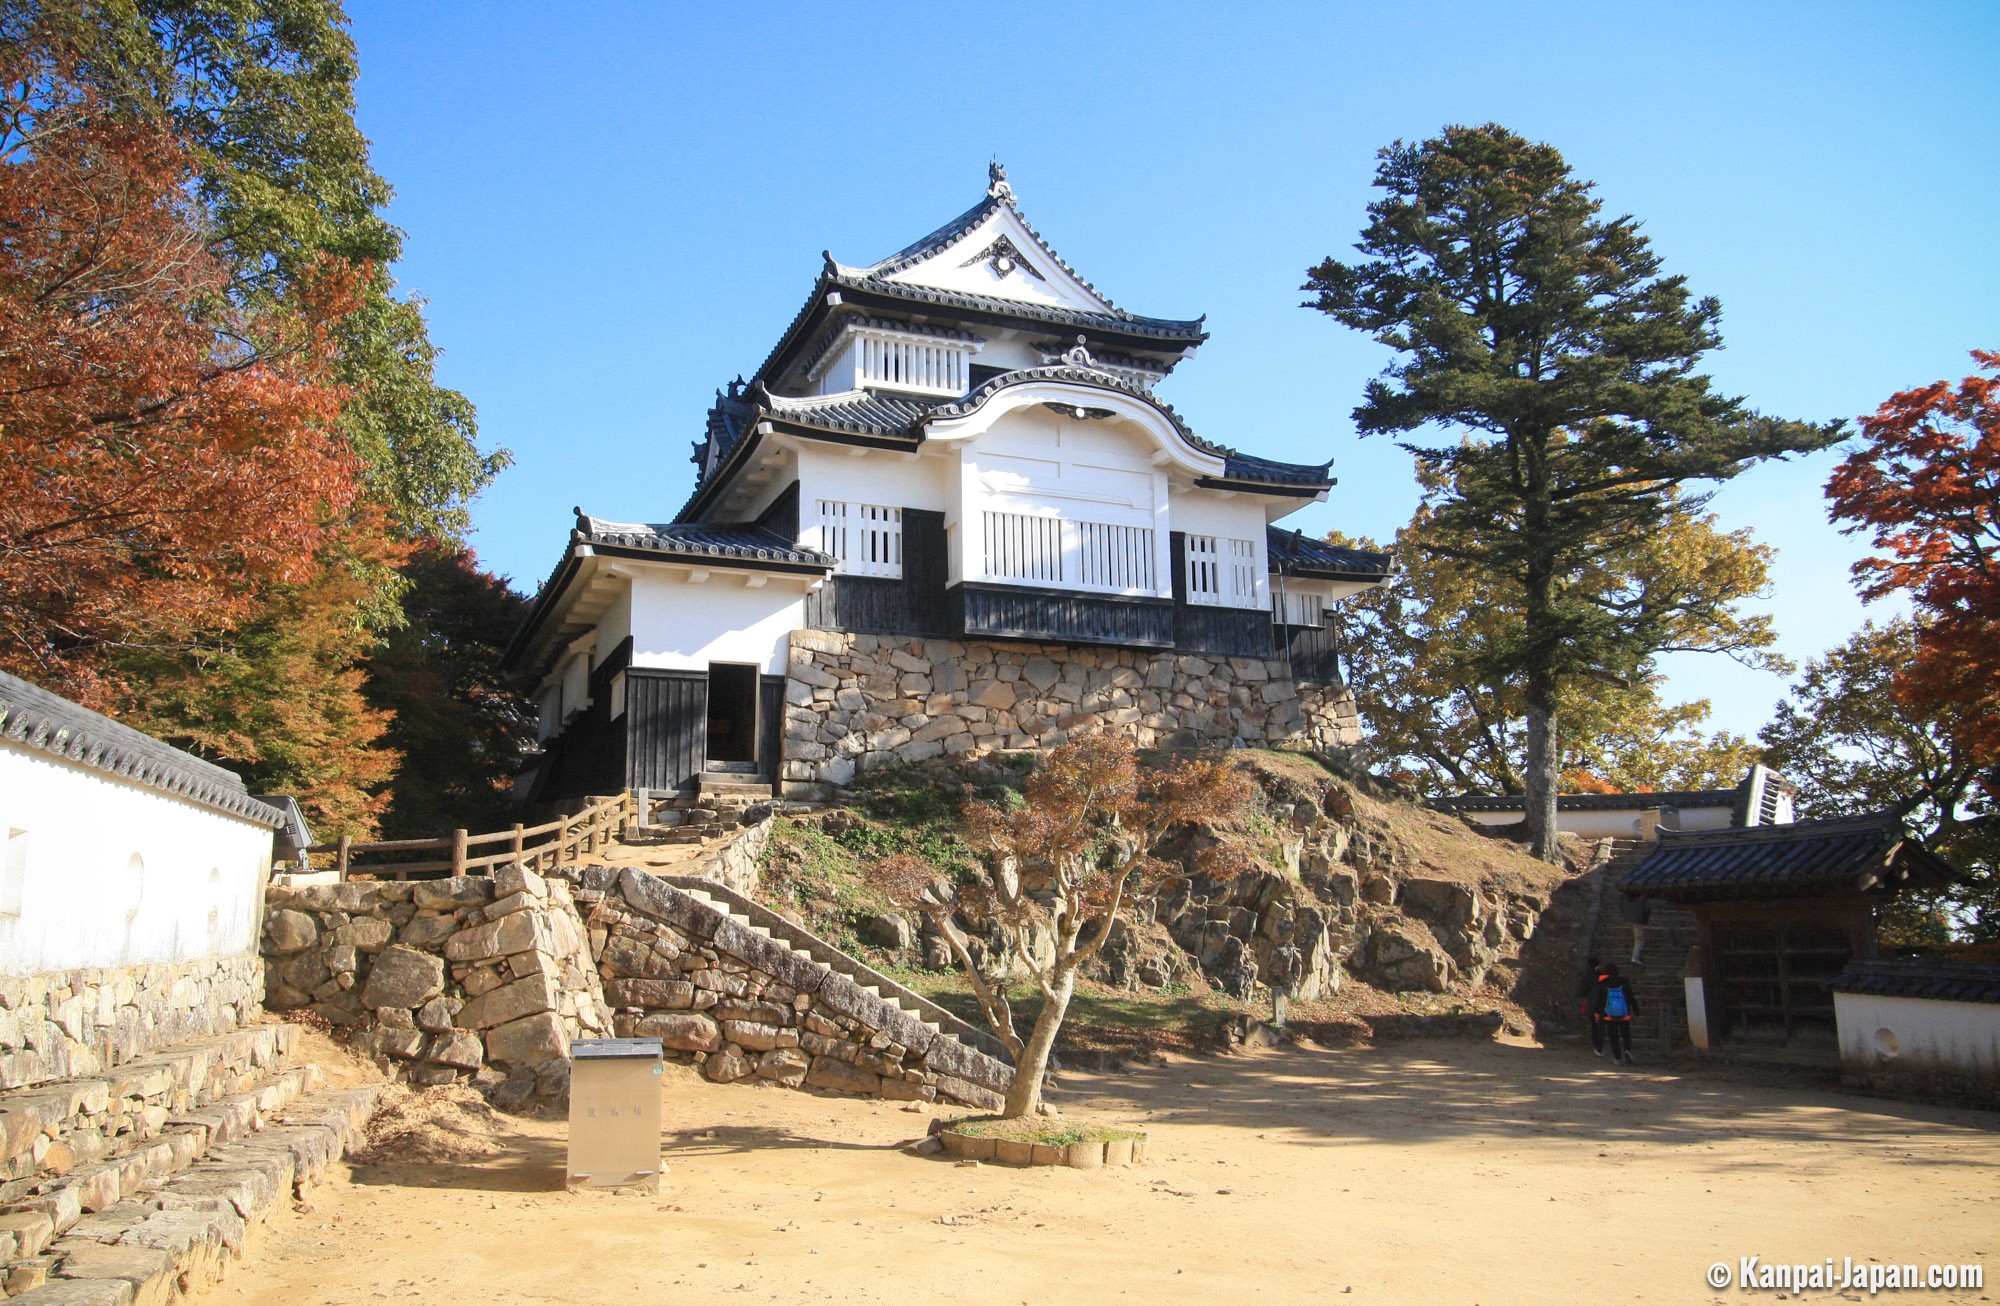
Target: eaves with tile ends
31,717
1297,554
1805,859
1938,981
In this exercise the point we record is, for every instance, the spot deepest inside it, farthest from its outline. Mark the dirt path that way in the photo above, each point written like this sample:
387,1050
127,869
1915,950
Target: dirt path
1449,1172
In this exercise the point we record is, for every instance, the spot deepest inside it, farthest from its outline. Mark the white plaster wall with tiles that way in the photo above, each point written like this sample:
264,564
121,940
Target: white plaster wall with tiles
97,871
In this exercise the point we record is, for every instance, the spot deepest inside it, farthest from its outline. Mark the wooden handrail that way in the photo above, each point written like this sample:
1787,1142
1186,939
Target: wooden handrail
571,837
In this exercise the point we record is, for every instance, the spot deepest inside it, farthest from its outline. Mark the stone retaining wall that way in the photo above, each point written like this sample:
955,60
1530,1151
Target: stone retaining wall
746,1008
467,978
855,701
75,1023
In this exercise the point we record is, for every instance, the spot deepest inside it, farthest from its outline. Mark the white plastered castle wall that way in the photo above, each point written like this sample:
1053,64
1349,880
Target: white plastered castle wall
1033,462
680,623
1918,1036
857,474
100,872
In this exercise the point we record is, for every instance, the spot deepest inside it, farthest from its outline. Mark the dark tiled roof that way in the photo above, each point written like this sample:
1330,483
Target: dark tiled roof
1269,471
1594,802
866,413
1301,554
687,539
1121,322
48,723
728,419
1943,981
1802,860
999,195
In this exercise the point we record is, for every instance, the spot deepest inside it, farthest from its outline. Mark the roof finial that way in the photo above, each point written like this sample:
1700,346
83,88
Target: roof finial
996,182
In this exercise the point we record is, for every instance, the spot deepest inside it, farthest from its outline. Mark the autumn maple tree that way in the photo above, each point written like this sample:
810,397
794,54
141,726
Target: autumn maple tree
1063,864
1925,487
164,456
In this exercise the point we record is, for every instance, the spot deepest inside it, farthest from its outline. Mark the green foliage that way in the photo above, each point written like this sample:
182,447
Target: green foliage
1435,714
1854,744
1522,316
460,729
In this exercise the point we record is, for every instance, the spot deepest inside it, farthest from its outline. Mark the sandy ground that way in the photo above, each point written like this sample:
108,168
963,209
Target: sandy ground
1438,1171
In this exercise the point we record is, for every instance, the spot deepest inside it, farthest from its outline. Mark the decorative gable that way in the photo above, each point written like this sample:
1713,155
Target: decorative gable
1002,257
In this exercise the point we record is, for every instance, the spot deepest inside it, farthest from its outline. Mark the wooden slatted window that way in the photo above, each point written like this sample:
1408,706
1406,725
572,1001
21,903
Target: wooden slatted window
1204,570
1243,573
1114,557
865,539
1300,610
1214,582
1024,547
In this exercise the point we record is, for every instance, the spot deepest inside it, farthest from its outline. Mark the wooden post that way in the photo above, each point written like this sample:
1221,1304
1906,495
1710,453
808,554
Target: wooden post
517,845
562,842
346,842
458,852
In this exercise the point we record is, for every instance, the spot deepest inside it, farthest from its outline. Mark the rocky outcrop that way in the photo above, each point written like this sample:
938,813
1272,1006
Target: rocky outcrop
440,981
1371,887
858,701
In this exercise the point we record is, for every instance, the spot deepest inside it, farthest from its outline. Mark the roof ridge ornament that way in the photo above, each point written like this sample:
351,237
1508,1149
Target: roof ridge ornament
996,183
1079,355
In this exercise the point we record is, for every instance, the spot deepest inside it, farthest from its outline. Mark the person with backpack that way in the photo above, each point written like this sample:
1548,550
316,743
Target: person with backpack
1586,1003
1615,1006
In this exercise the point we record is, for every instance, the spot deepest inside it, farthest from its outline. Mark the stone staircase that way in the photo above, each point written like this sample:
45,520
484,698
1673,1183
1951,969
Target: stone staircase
138,1185
1661,1024
762,921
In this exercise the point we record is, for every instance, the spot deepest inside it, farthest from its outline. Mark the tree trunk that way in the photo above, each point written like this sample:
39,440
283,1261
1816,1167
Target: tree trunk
1024,1096
1542,779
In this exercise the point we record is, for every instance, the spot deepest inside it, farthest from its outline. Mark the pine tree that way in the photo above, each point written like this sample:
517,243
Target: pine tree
1544,343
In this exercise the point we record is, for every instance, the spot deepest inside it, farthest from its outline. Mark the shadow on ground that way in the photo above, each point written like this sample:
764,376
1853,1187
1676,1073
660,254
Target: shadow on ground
1439,1090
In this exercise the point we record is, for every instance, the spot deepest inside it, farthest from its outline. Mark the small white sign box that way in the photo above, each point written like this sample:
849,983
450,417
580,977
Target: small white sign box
614,1113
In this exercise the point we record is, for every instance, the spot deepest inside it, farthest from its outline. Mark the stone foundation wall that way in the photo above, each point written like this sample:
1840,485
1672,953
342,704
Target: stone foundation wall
76,1023
745,1008
467,978
855,701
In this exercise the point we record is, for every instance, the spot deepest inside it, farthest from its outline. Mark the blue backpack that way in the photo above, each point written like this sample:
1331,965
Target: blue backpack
1615,1007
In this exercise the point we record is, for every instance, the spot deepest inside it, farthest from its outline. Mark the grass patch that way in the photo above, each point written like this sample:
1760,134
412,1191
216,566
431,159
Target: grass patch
1049,1133
1100,1018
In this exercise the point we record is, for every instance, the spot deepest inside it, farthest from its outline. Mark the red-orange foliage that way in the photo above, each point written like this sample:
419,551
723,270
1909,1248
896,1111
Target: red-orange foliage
1928,487
162,458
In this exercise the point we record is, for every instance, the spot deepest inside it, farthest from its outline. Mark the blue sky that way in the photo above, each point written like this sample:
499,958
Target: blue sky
614,209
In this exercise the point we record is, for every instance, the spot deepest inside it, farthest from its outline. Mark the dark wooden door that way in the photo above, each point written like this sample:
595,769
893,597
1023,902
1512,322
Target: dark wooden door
666,722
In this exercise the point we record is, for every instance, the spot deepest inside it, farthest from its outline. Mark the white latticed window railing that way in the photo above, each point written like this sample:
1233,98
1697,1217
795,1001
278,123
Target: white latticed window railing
1021,546
1114,557
1221,572
865,539
1048,550
905,363
1300,610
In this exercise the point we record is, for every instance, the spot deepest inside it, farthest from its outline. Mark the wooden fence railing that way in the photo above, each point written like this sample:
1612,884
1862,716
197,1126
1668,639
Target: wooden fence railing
537,847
